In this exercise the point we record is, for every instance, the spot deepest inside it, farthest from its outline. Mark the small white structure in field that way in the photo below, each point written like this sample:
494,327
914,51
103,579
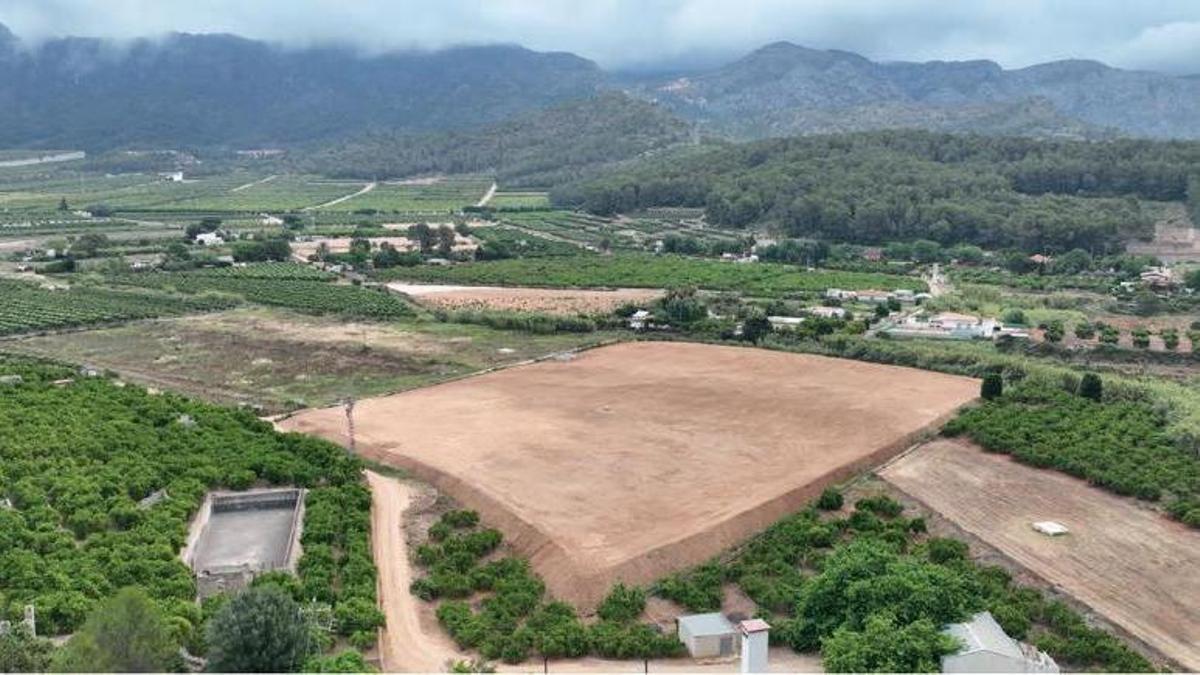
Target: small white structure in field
785,322
173,177
707,635
209,239
755,645
826,312
986,648
640,319
1050,528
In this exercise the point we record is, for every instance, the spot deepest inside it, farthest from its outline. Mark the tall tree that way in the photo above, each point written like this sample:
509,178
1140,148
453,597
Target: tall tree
261,630
126,634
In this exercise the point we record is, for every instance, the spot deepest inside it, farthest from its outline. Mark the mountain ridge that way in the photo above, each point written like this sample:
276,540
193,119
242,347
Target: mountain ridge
221,90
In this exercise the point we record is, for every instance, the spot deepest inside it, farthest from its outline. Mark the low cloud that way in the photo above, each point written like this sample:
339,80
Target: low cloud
1154,34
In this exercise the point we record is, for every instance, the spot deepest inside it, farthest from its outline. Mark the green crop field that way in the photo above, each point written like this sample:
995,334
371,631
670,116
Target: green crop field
445,196
519,200
647,271
28,308
314,297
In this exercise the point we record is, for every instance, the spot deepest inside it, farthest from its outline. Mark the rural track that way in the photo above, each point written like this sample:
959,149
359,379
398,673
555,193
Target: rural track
406,646
251,184
488,196
366,188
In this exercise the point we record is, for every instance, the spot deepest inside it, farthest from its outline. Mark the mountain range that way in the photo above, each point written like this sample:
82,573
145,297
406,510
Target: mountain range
212,91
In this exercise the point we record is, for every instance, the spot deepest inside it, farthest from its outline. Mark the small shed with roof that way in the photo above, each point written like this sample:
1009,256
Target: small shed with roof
986,648
708,635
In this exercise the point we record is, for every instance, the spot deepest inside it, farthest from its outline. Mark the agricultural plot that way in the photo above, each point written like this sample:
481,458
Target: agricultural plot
283,193
282,360
1128,563
644,271
541,300
26,308
523,243
519,200
440,197
677,450
310,296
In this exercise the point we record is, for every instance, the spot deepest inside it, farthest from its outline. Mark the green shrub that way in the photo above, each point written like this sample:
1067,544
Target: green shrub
830,500
623,604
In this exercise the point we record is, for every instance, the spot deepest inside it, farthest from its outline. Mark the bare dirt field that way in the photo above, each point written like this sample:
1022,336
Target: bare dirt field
1128,563
301,250
630,461
412,641
545,300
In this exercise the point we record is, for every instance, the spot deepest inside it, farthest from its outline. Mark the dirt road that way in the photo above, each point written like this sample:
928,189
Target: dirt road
251,184
403,644
366,188
488,196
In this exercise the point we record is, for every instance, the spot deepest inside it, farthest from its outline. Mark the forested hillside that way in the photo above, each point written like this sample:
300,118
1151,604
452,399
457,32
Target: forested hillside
541,148
209,90
785,89
905,185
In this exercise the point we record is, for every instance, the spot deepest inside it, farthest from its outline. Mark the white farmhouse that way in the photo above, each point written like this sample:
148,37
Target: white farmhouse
640,319
209,239
986,648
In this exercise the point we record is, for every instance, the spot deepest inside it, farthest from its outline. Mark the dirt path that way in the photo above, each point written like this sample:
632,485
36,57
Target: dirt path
487,197
251,184
366,188
403,644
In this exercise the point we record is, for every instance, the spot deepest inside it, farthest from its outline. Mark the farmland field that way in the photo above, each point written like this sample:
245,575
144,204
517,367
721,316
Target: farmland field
521,200
548,300
441,197
280,359
1128,563
669,436
27,307
308,295
644,271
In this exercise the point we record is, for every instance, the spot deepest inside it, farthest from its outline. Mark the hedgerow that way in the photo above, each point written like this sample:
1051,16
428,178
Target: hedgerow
514,619
1118,445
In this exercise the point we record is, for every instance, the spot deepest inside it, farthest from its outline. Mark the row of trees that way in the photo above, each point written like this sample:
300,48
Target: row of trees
905,185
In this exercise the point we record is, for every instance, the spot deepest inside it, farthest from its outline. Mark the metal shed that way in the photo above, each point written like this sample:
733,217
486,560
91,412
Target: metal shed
986,648
708,635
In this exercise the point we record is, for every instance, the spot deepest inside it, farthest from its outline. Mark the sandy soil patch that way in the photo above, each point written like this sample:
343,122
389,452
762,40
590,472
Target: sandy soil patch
631,461
1127,562
544,300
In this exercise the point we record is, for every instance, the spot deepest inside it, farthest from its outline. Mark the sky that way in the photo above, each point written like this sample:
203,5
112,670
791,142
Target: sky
639,34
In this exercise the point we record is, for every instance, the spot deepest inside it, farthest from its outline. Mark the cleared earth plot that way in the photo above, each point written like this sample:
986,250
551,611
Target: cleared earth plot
547,300
629,461
1127,562
283,360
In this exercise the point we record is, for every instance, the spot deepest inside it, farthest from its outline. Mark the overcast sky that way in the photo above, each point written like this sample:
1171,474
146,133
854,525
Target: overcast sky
1149,34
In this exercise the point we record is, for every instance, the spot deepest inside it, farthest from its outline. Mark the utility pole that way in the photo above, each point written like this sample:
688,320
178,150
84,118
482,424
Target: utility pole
350,422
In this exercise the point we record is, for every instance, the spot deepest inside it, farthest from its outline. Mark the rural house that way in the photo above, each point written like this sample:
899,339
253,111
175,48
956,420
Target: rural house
826,312
986,648
707,635
209,239
876,297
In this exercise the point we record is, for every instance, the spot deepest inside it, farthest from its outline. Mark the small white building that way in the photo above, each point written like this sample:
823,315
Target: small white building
876,297
268,219
173,176
209,239
839,294
904,295
640,319
826,312
707,635
986,648
784,322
